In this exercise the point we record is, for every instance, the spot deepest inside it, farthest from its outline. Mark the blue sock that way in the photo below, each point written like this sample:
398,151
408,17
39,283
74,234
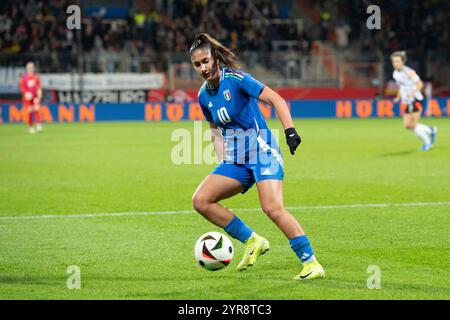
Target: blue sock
302,248
238,230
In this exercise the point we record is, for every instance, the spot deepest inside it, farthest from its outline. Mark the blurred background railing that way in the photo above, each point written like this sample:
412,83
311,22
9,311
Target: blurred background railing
286,68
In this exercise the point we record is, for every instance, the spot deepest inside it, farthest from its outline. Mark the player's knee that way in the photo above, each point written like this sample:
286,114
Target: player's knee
273,211
409,126
200,202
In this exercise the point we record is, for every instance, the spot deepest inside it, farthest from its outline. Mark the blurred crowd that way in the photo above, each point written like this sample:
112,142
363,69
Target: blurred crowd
153,31
420,27
30,28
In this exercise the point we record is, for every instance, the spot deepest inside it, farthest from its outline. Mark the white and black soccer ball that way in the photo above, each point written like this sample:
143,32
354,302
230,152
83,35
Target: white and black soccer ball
213,251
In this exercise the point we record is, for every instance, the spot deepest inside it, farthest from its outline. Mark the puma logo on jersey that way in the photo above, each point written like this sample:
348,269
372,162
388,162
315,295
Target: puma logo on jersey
210,104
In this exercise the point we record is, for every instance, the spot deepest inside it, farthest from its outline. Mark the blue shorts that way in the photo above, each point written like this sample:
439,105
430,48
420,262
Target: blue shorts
248,174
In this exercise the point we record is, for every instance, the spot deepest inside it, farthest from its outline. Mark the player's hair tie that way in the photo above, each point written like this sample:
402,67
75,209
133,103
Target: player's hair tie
195,45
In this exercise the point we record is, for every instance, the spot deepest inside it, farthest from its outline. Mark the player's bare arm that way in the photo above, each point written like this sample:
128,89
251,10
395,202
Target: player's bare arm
274,99
271,97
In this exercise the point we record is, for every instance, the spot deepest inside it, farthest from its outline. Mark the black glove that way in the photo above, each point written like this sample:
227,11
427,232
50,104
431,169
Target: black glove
292,138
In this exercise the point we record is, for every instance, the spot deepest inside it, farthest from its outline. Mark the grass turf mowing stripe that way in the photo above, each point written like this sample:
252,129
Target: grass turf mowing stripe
145,213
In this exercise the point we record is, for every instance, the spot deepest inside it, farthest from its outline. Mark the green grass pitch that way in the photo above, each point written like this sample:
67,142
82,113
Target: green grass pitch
99,168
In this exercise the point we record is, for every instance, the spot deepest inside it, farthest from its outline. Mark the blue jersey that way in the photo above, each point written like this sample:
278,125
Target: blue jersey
233,107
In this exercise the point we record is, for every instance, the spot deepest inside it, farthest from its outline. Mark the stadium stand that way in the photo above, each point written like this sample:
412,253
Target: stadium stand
287,42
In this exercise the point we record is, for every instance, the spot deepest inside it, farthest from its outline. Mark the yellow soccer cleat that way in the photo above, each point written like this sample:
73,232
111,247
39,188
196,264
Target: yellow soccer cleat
311,270
254,247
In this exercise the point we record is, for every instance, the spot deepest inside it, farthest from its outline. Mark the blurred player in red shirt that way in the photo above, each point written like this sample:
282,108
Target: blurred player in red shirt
30,86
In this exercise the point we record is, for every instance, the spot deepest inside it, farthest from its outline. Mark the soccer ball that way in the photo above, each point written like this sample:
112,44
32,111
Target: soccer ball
213,251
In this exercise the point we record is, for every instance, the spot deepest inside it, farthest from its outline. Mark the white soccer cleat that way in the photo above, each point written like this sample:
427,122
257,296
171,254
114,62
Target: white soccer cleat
39,127
32,130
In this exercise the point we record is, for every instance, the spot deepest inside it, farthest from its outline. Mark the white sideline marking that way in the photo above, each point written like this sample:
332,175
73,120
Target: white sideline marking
149,213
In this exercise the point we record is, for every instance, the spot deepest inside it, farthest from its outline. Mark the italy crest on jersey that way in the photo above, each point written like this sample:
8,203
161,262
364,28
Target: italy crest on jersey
227,94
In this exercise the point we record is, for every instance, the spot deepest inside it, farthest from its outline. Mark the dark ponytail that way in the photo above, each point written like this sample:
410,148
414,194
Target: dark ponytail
222,54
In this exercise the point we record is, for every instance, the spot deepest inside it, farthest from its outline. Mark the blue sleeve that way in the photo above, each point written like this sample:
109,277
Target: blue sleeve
251,86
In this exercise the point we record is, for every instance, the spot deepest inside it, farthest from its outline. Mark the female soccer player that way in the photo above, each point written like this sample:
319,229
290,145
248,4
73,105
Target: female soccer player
248,153
30,86
411,98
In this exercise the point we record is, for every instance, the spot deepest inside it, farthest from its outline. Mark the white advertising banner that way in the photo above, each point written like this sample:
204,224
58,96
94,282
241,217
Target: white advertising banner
9,79
102,81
